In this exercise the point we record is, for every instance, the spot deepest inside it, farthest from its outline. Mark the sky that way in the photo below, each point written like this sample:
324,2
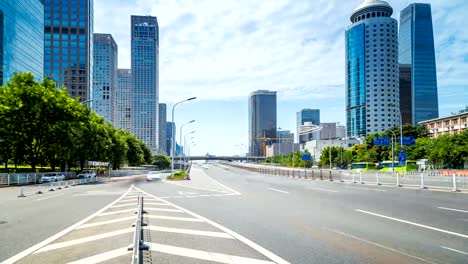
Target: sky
221,51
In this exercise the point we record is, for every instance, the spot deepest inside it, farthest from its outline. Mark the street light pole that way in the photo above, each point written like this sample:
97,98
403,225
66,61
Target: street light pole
393,158
174,132
182,153
185,144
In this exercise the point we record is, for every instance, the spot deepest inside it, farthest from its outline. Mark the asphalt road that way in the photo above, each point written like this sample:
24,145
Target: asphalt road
229,215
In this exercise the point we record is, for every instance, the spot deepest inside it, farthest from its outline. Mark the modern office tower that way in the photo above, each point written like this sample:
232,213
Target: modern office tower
145,79
418,76
162,129
20,21
124,100
262,120
372,72
105,76
68,45
306,115
170,127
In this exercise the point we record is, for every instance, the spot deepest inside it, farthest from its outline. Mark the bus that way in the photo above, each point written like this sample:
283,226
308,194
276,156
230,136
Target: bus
410,165
363,166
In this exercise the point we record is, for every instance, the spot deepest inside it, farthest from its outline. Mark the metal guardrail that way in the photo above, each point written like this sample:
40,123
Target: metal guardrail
27,178
52,186
138,243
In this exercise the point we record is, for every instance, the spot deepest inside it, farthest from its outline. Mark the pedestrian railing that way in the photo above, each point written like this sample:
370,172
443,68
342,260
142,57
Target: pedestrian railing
138,243
28,178
52,186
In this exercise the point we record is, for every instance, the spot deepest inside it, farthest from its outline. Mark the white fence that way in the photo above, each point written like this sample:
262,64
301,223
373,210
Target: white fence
28,178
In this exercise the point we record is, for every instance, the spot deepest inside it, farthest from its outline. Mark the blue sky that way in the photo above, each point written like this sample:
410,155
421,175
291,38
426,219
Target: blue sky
220,51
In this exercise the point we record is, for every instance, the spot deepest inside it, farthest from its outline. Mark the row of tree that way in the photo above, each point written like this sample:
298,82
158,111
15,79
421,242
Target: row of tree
43,125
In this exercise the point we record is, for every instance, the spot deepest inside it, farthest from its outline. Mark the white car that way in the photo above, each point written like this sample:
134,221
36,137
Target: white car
86,174
52,177
153,175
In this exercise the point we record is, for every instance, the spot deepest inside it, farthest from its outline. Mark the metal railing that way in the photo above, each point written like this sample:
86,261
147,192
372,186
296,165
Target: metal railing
28,178
52,186
138,243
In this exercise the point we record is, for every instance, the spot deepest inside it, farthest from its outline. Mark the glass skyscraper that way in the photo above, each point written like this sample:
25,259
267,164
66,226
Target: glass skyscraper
124,100
262,120
306,115
105,76
68,40
21,38
170,127
145,79
372,75
162,128
417,65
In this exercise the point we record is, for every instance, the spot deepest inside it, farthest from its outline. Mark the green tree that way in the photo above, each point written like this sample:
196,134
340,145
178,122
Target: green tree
161,161
135,155
147,154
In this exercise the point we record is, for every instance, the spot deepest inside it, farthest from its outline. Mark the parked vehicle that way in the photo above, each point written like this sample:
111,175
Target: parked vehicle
386,166
52,177
86,174
363,166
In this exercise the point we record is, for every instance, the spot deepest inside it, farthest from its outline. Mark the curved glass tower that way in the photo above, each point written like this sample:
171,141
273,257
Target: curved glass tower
262,119
372,75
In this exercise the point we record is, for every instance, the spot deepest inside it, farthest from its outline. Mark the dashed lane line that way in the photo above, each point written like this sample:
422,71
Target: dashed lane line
222,185
188,231
118,212
280,191
165,204
451,209
163,210
186,219
103,256
107,222
324,190
455,250
124,205
48,197
205,255
192,187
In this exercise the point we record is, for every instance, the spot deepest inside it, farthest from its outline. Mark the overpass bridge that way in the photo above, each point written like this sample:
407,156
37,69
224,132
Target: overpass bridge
227,158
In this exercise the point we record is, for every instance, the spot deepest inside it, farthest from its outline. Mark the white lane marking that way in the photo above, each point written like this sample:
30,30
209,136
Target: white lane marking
48,197
320,189
276,190
451,209
188,231
103,256
363,188
239,237
455,250
41,244
375,244
118,212
190,186
155,203
84,240
186,219
123,205
107,222
205,255
415,224
222,185
163,209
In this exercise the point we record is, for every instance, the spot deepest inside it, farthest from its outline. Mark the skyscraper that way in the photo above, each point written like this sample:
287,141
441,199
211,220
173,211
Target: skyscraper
306,115
105,76
262,120
124,99
162,128
68,45
145,79
418,80
170,127
372,75
20,21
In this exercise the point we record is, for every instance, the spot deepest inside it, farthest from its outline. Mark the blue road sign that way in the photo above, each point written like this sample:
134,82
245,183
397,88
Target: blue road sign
306,156
109,165
409,141
402,158
381,141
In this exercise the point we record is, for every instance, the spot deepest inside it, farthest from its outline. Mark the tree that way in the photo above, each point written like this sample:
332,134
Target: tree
461,111
147,154
135,155
161,161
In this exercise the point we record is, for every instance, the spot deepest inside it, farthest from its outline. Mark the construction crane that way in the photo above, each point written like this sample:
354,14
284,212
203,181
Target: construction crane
264,139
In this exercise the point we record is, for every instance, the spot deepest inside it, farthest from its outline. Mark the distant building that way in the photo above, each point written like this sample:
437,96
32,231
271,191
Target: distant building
21,38
124,100
68,45
170,127
162,129
315,147
284,135
418,75
306,115
449,125
309,132
262,120
282,148
105,76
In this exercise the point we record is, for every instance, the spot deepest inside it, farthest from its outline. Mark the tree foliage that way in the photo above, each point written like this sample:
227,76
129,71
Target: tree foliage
161,161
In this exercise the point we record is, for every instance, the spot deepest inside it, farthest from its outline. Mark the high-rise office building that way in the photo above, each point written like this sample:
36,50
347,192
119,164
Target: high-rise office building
170,127
418,76
262,120
306,115
68,45
124,100
105,76
21,38
372,72
162,128
145,79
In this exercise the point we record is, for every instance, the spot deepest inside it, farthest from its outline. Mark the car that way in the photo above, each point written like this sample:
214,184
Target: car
154,175
52,177
86,174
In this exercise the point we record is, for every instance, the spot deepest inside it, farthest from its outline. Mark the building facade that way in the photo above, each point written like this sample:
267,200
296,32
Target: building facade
124,100
283,148
372,72
311,132
21,38
449,125
105,76
68,45
417,65
145,79
170,127
306,115
316,147
162,128
262,120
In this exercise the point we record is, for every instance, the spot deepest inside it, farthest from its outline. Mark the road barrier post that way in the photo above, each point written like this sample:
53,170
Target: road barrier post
313,175
352,173
321,175
22,193
422,181
51,187
377,176
8,180
39,187
330,175
454,180
59,185
360,178
398,180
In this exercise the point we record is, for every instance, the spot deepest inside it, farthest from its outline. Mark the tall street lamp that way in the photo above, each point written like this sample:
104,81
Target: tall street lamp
185,143
174,132
182,143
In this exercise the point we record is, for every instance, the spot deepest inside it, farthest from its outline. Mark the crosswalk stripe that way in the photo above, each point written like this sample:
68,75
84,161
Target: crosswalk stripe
106,222
123,205
103,256
156,203
163,209
189,231
186,219
205,255
118,212
84,240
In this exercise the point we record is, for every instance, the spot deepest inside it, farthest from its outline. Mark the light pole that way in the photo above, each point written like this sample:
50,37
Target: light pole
401,125
174,132
185,144
181,154
393,158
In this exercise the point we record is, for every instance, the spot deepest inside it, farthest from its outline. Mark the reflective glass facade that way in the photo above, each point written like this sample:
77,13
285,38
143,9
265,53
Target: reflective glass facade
262,120
145,79
21,38
307,115
105,76
169,135
162,128
68,45
124,100
416,52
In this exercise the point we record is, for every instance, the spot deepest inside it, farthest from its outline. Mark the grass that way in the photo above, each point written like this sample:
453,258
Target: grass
178,176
